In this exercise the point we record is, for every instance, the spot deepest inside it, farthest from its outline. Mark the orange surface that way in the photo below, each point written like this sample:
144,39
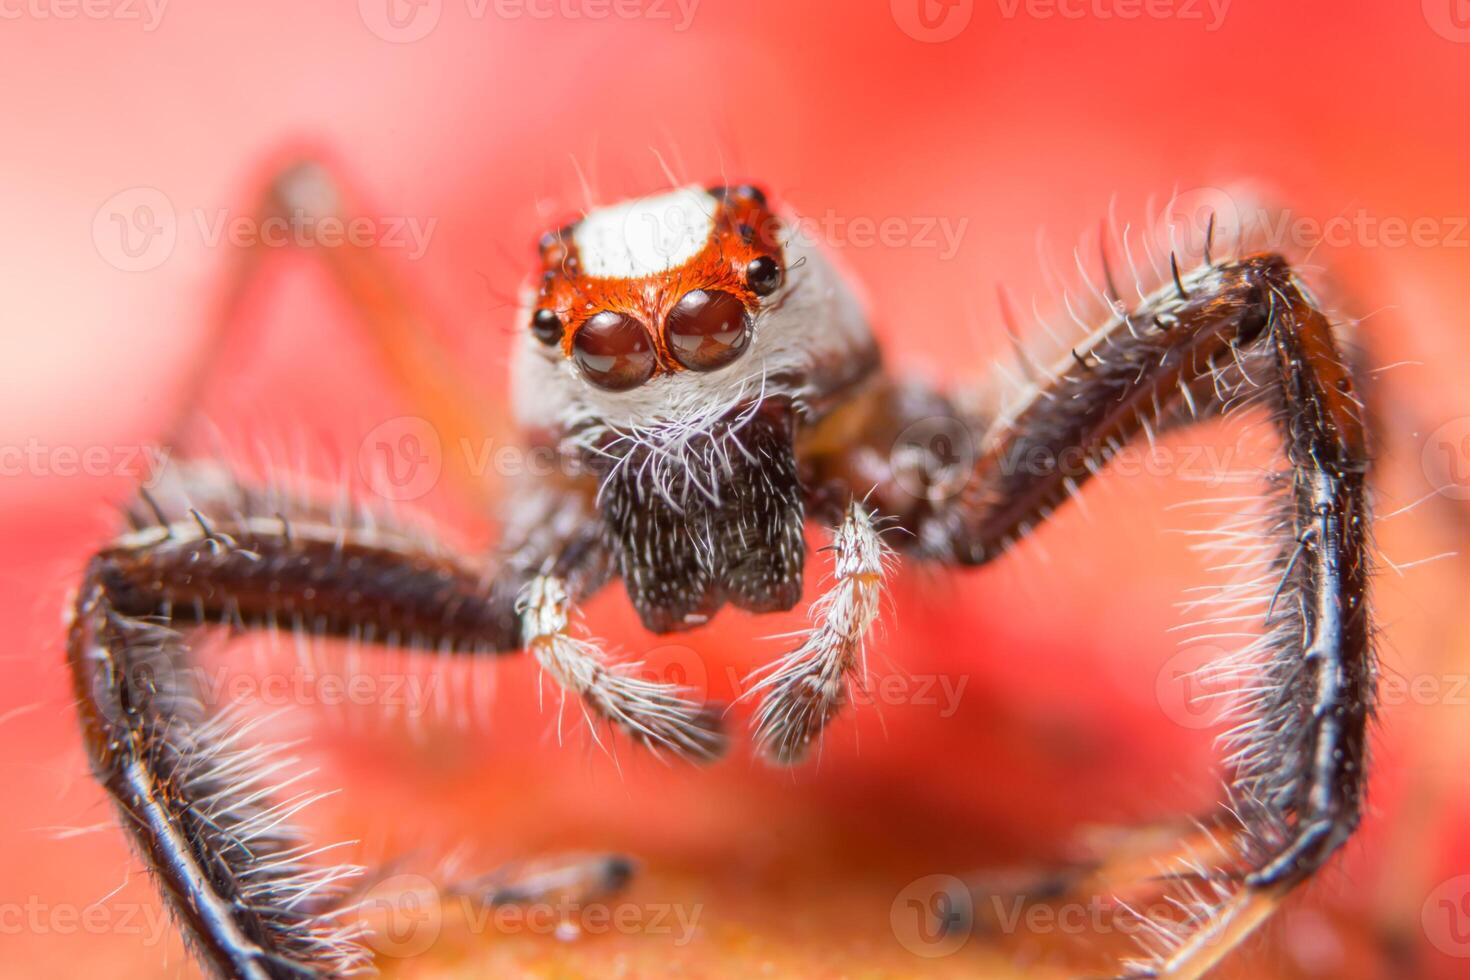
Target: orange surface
475,134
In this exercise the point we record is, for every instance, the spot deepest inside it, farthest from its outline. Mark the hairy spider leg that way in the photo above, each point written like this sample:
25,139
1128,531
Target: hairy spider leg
195,788
1215,341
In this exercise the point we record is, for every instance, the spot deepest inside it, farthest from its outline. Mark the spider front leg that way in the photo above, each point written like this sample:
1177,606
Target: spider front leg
650,711
1215,341
806,689
194,794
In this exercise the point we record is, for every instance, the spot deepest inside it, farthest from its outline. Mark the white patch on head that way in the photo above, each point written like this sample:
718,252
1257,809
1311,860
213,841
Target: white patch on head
646,236
814,318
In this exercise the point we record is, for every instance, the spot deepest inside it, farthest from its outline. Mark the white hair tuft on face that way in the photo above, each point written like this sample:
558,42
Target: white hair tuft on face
645,236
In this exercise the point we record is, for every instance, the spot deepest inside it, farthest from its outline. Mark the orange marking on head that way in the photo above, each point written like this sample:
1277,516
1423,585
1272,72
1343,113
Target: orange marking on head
743,229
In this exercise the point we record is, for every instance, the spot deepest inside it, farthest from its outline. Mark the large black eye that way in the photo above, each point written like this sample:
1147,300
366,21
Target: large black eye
708,330
763,275
546,325
614,351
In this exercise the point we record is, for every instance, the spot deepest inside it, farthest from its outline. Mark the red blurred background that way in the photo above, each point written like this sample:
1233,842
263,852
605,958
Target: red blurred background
479,122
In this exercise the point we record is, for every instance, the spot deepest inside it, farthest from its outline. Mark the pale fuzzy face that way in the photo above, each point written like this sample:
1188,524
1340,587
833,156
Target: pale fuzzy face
811,329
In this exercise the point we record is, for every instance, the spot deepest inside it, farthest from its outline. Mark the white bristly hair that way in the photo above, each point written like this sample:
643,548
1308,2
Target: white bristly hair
807,687
650,711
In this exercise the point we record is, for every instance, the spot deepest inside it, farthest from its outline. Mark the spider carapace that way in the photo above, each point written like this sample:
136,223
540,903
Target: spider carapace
710,384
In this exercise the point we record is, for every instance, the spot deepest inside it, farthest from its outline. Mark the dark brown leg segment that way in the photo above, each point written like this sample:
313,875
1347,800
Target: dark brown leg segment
1217,340
193,794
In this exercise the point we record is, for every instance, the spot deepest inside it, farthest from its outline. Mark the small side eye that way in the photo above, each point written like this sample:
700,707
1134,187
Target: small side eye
764,275
707,330
546,325
614,351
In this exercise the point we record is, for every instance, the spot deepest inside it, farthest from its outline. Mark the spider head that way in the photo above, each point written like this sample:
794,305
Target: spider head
678,344
678,312
656,287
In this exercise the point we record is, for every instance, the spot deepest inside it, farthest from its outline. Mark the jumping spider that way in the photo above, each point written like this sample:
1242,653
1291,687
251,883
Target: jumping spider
712,385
